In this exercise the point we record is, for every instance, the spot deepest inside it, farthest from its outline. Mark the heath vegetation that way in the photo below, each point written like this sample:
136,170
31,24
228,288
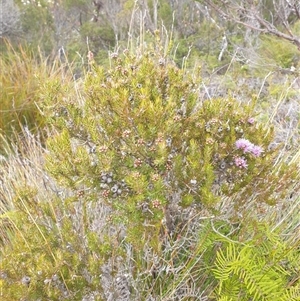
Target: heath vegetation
152,166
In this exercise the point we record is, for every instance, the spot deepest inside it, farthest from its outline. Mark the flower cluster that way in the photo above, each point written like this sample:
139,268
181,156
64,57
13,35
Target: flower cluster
247,147
240,162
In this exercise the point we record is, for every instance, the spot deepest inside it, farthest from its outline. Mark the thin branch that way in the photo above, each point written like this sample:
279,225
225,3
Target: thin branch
265,26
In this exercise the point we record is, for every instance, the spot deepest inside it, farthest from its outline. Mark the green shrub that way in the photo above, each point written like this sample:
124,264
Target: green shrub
38,26
143,141
278,52
99,36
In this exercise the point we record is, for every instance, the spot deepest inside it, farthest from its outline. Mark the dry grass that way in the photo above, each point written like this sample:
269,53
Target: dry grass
22,72
22,166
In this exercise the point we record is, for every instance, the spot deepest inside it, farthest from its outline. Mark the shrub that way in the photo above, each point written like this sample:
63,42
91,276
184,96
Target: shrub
143,142
278,52
99,37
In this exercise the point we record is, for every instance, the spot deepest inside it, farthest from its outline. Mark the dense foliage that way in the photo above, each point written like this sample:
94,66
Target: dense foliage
142,137
166,170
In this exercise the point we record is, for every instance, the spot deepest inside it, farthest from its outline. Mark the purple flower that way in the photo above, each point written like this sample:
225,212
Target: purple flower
244,145
240,162
251,120
247,147
256,150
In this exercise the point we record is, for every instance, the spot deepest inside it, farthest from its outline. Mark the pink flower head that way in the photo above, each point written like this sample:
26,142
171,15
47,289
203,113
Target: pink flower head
244,145
247,147
256,150
240,162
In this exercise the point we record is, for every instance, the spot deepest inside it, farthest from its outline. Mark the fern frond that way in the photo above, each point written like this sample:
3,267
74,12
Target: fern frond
241,271
291,294
229,262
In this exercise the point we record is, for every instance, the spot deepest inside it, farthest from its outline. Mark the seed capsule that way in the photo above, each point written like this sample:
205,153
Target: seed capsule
114,189
26,280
